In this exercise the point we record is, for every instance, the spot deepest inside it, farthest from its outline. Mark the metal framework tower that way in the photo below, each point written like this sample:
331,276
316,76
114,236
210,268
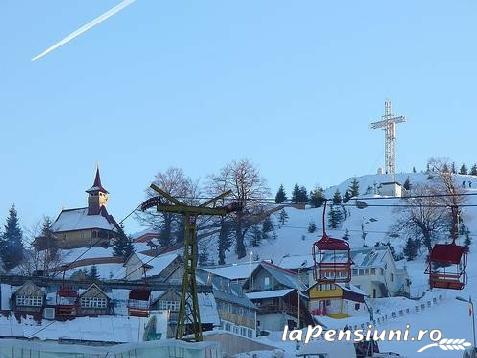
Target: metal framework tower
188,322
388,124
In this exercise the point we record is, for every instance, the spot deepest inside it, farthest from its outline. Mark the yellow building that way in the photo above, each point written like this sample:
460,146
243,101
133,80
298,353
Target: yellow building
336,300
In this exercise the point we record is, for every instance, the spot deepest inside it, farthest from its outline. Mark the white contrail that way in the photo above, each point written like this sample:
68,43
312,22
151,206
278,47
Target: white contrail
86,27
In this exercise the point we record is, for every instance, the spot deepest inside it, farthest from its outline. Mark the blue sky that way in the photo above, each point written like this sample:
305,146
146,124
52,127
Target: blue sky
292,85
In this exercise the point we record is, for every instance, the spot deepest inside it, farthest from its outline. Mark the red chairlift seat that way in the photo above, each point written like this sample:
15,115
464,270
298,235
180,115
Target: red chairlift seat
332,258
446,267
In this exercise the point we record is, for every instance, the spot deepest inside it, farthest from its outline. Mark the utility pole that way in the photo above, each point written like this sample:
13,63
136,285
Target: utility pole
471,304
388,124
189,312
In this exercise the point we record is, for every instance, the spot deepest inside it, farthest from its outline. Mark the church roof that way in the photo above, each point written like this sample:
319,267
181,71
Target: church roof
78,219
97,186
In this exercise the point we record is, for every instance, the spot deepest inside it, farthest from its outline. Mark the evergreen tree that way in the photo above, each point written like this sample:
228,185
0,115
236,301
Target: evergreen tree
354,188
410,249
49,241
203,255
453,169
346,197
317,197
473,170
256,236
445,168
93,273
303,195
122,246
267,227
281,196
11,245
282,217
414,170
296,194
335,217
407,184
463,170
337,199
311,227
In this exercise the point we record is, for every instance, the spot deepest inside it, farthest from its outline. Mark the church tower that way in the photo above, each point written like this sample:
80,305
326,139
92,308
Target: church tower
98,195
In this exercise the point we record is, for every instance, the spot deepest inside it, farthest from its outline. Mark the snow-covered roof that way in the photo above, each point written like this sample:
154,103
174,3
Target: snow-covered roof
351,288
284,277
78,219
294,262
267,294
157,264
233,272
208,309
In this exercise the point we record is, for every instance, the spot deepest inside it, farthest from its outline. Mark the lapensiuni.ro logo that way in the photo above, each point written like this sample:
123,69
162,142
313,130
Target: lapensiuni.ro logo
373,334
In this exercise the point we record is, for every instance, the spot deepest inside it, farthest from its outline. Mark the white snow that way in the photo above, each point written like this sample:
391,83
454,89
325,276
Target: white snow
267,294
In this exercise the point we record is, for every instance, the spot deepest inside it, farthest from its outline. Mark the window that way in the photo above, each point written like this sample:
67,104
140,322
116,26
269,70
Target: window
328,302
267,281
357,306
355,271
243,331
373,271
227,327
361,272
382,271
249,333
169,305
392,277
32,301
94,302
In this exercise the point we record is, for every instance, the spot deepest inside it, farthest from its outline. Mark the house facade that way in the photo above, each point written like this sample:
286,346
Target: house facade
336,300
28,299
94,302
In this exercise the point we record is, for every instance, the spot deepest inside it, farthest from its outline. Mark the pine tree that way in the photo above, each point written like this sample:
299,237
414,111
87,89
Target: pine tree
354,188
122,246
335,217
303,195
281,196
256,236
203,255
453,169
410,249
337,199
296,194
267,227
11,245
282,217
50,243
414,170
346,197
407,184
311,227
463,170
473,170
93,273
317,197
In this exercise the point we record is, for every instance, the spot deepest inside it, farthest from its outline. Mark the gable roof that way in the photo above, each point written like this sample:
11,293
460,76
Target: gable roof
29,289
156,264
238,271
78,219
285,277
93,287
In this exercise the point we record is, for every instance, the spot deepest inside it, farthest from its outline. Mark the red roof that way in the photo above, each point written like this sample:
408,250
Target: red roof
97,186
449,254
328,243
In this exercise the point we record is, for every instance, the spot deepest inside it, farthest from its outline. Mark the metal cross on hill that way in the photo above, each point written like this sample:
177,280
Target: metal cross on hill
388,124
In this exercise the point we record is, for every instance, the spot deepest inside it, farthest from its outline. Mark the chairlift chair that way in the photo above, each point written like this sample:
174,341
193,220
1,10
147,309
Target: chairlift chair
332,258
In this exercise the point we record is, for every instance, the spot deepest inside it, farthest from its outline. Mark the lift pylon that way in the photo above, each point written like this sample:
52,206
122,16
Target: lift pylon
188,322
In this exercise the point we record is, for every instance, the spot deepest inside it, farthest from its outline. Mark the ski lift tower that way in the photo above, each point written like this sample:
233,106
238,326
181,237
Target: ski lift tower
189,325
388,124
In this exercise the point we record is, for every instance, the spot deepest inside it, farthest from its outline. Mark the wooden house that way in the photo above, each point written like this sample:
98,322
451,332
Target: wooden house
94,302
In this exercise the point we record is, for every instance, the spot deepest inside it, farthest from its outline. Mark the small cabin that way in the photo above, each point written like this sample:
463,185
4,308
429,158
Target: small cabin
94,302
391,188
28,299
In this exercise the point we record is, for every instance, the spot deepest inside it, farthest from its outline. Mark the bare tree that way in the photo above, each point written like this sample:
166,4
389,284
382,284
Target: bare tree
42,254
170,226
249,188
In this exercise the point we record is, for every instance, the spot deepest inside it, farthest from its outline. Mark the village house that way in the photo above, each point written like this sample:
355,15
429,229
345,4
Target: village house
28,299
236,311
85,226
336,300
169,301
237,272
94,302
163,268
280,298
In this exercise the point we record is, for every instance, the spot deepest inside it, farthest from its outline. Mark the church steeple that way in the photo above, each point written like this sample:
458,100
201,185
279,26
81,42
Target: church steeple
98,195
